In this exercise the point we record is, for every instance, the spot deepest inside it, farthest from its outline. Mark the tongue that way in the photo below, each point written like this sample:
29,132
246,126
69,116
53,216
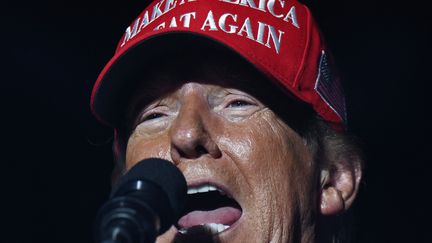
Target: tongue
224,215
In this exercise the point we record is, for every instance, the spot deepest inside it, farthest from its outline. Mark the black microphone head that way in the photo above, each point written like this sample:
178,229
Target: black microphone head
144,203
160,172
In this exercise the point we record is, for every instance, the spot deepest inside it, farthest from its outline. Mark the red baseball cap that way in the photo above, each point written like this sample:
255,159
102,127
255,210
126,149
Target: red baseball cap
278,37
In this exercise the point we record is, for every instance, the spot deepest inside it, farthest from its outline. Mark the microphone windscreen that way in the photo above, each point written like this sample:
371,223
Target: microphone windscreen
162,173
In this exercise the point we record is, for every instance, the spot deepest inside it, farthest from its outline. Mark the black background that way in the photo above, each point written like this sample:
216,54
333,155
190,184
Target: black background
56,159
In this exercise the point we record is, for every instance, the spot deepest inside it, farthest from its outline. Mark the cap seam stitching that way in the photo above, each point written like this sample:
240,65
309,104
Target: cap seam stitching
301,67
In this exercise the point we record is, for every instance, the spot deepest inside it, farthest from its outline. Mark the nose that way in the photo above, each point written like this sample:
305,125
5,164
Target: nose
190,132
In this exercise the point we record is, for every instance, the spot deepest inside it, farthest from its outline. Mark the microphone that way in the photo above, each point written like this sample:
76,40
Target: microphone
145,202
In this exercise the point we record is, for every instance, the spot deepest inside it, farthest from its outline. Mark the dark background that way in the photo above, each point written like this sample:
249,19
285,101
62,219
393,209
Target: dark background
57,159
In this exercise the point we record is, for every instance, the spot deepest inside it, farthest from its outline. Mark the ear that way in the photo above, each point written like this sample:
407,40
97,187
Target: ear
339,184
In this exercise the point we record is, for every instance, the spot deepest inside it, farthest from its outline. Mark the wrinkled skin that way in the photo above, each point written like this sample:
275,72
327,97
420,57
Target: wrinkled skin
214,133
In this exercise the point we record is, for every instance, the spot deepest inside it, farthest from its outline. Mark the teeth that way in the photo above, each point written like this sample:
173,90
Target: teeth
217,228
192,191
221,192
212,228
201,189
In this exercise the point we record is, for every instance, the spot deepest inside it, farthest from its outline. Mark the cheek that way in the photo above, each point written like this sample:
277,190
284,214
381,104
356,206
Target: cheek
271,156
141,147
258,143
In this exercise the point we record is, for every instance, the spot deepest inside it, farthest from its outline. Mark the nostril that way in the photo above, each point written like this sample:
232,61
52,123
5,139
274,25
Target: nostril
201,150
195,153
181,153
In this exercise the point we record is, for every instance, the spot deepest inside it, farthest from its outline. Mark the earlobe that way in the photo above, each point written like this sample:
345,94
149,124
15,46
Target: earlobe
332,202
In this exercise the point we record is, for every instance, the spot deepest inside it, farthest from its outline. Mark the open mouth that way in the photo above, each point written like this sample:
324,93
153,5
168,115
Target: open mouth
210,207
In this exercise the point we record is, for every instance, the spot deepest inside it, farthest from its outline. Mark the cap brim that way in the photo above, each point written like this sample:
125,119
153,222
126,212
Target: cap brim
115,83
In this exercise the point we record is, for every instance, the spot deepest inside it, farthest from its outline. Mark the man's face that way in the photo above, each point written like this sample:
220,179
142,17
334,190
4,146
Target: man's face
220,136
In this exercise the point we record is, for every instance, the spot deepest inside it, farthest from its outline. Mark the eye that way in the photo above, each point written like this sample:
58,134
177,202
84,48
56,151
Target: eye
151,116
239,103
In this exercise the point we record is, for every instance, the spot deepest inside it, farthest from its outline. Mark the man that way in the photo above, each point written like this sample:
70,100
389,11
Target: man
240,96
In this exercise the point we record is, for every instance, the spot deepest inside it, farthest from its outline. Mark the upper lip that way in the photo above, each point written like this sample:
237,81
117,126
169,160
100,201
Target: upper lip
208,172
